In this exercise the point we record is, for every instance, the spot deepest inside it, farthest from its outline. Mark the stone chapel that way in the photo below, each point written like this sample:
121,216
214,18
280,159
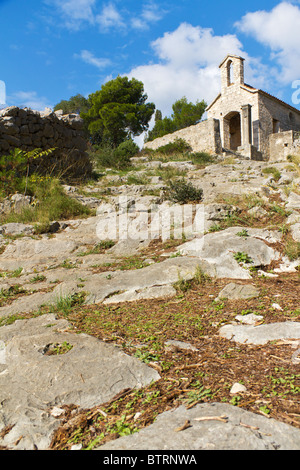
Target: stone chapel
247,115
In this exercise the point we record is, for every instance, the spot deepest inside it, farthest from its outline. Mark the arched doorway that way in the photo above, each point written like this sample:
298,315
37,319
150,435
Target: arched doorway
232,130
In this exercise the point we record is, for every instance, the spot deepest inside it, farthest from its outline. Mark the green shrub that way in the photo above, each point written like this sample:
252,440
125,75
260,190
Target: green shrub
119,157
177,146
271,170
201,158
183,192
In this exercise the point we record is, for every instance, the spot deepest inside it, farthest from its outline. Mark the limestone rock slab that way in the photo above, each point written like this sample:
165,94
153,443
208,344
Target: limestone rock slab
32,382
261,334
233,433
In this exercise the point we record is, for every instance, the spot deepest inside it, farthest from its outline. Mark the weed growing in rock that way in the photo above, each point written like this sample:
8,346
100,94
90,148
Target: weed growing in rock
242,257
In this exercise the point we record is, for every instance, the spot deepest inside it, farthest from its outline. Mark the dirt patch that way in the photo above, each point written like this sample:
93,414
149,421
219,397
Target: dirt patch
188,377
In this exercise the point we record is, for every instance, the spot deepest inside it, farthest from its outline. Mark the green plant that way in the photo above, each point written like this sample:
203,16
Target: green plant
281,383
279,210
53,204
243,233
235,400
215,228
38,278
146,356
98,248
182,192
15,166
122,428
12,291
273,171
67,264
118,111
57,348
107,156
292,249
242,257
264,409
201,158
177,146
198,395
200,276
64,304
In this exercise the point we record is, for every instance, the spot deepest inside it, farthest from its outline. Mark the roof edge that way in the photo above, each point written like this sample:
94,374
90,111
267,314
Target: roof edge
231,55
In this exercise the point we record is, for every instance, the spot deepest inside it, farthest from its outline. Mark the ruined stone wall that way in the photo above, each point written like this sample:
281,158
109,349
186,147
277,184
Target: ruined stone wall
27,130
202,137
283,144
275,117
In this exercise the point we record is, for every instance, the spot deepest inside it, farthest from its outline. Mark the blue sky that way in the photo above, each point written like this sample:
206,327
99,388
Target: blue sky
54,49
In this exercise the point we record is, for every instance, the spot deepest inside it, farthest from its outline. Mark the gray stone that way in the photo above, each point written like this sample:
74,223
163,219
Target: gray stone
293,201
295,231
17,229
249,319
261,334
175,345
235,291
88,374
237,388
165,273
232,429
154,292
218,250
20,201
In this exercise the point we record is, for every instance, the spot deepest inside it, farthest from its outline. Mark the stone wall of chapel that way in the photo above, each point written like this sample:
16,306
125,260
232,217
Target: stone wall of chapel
202,137
284,144
275,117
233,99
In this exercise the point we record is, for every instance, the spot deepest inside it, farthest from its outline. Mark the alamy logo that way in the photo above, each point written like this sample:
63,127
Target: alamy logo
2,93
296,94
129,220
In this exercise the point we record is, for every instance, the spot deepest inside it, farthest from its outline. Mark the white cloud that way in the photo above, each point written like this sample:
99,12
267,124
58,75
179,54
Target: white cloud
110,18
89,58
278,29
28,99
187,65
151,13
74,12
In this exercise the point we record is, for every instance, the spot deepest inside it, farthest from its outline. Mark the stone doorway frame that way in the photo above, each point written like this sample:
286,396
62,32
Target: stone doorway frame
232,130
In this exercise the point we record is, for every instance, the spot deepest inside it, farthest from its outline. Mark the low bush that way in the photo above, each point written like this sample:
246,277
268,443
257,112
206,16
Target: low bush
200,158
183,192
271,170
118,158
177,146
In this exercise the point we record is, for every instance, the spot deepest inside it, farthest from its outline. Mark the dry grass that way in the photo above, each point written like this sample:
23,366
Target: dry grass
189,377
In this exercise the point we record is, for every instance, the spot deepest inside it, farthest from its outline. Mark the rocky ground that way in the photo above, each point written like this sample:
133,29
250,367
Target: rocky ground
118,332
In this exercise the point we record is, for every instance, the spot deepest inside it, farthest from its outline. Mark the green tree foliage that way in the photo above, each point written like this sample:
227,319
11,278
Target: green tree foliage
118,111
184,114
76,104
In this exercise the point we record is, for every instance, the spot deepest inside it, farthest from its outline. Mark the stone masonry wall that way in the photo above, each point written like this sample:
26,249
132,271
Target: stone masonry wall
283,144
27,130
271,112
202,137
